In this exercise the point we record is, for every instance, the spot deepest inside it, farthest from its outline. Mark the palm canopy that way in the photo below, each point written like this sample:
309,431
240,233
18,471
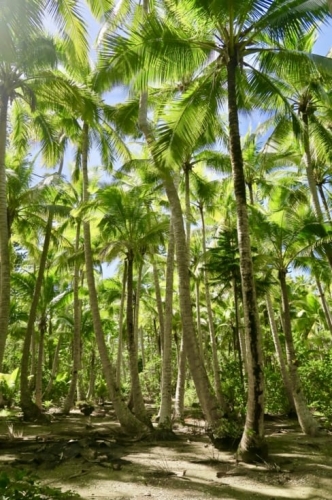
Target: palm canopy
198,37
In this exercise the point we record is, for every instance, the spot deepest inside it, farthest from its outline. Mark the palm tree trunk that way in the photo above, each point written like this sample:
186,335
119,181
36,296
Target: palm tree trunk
92,375
76,354
204,390
280,355
165,415
120,336
215,361
180,384
39,373
54,370
252,443
30,410
4,232
136,391
307,422
127,420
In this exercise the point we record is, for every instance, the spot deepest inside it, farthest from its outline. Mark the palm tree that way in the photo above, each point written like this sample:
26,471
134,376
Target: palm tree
27,56
237,46
133,228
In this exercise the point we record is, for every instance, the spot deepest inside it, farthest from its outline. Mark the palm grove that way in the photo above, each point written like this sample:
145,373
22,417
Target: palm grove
220,236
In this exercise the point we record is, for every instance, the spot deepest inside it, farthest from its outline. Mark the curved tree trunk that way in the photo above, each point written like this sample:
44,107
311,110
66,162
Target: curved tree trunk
252,444
165,415
306,420
127,420
207,399
204,390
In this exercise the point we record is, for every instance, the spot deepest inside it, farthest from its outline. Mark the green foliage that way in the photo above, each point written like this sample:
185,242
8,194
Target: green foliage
26,487
316,375
8,386
275,397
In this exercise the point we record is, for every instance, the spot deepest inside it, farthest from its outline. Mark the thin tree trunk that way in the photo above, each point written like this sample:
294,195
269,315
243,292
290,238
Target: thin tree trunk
39,373
136,391
76,353
138,331
280,355
92,376
252,444
165,415
4,231
204,390
30,410
215,361
180,384
127,420
54,370
120,336
306,420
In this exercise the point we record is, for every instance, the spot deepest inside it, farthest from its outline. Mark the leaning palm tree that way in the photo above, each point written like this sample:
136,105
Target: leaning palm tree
237,46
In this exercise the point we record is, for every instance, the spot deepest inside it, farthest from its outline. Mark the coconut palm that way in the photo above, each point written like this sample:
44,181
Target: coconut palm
237,45
132,227
27,56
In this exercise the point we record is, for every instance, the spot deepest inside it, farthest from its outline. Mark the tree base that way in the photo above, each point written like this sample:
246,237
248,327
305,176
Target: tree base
256,452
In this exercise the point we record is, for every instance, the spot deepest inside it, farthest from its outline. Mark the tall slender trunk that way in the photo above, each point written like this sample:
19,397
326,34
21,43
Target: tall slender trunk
127,420
306,420
4,231
204,390
252,443
180,383
280,354
76,352
92,375
39,373
54,370
30,410
165,416
136,391
215,361
198,372
120,337
137,302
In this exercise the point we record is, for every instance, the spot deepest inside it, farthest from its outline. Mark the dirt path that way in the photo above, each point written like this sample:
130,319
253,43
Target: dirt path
97,463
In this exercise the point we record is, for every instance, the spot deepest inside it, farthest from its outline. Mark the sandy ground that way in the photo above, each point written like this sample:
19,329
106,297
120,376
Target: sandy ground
97,465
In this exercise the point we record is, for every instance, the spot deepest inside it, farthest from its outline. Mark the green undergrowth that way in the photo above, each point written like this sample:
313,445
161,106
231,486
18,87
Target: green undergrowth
22,485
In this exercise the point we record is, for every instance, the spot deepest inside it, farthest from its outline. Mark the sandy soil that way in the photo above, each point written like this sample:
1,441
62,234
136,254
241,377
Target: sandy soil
91,457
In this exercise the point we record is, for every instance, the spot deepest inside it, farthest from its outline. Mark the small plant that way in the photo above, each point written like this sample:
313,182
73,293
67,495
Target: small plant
24,486
13,433
8,386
